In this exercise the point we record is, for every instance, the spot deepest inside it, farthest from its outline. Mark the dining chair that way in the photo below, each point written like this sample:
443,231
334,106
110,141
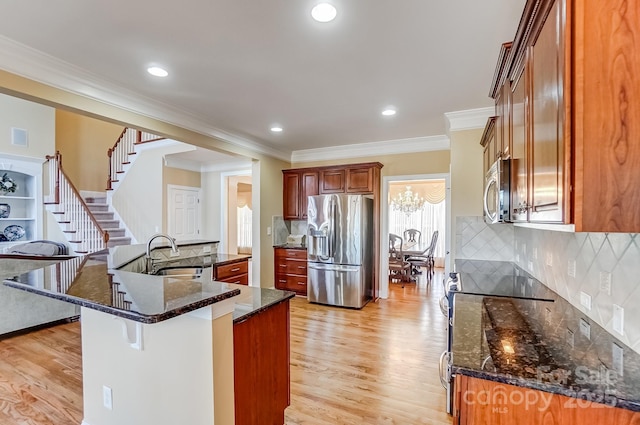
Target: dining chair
412,235
426,258
399,268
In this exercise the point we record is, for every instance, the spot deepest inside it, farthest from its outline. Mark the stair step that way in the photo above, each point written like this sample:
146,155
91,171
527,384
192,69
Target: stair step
108,224
118,241
115,232
103,215
95,200
97,206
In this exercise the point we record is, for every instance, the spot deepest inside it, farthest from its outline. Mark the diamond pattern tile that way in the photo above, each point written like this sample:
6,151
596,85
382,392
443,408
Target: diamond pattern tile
594,253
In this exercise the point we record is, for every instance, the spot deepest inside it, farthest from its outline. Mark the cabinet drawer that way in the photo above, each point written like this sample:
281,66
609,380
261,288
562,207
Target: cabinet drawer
232,269
292,283
292,267
300,254
242,279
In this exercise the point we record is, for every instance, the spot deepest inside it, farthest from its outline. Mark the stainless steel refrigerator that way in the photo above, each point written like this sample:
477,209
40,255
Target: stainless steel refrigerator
340,250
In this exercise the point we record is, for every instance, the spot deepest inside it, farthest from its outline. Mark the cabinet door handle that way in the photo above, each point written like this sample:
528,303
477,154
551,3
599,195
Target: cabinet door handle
282,280
235,269
302,283
283,265
302,267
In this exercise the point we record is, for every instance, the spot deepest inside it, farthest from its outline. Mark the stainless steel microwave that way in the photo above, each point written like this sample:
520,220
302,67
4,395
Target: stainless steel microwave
497,195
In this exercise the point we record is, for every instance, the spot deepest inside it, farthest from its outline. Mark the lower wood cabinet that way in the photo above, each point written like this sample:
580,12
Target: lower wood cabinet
478,401
237,272
291,270
261,367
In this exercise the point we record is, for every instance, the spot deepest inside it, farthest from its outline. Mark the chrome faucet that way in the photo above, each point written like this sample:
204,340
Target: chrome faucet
174,248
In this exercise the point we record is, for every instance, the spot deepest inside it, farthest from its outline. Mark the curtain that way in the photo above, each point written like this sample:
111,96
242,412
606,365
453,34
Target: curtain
244,229
429,218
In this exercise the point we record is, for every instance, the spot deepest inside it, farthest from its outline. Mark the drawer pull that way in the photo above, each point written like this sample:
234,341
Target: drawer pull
282,280
302,283
235,269
283,265
302,267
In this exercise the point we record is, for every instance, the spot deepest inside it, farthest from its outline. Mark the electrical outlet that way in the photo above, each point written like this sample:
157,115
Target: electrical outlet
585,329
570,338
571,268
585,300
206,249
549,259
617,355
605,282
618,319
268,230
107,397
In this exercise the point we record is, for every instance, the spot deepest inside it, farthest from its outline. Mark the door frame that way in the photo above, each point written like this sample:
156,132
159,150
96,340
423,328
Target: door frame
384,223
171,206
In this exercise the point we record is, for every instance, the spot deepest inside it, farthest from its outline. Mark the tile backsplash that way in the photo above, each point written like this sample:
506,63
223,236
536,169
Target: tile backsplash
601,269
476,240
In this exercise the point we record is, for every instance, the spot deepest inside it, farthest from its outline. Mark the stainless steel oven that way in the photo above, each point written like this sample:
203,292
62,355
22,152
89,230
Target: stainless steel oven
497,194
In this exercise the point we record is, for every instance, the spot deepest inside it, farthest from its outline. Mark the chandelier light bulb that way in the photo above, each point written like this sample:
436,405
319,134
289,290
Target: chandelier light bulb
407,202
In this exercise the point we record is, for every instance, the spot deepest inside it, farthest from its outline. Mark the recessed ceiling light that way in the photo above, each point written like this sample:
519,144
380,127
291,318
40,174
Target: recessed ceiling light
276,129
157,71
323,12
389,111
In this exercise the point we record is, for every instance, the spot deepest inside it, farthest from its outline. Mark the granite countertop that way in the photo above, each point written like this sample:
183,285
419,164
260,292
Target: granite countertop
544,345
142,297
290,246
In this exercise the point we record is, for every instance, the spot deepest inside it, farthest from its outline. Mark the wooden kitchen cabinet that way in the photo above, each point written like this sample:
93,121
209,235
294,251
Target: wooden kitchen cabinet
297,186
262,376
237,272
488,142
479,401
290,270
361,178
575,96
333,180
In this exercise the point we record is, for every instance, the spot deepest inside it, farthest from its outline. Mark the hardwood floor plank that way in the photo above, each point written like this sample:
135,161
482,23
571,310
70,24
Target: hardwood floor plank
378,365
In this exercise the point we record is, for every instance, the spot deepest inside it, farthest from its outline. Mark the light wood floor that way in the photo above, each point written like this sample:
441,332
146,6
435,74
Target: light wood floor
378,365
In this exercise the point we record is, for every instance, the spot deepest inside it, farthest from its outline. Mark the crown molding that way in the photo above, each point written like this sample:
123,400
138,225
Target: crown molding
25,61
468,119
387,147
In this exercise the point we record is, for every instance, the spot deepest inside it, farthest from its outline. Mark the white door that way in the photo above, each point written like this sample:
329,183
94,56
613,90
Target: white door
183,218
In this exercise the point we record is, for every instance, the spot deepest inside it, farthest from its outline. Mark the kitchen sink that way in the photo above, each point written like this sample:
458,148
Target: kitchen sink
180,271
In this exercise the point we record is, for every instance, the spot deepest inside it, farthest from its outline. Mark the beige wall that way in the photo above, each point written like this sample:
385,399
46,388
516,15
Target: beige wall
38,120
268,191
83,143
467,180
178,177
432,162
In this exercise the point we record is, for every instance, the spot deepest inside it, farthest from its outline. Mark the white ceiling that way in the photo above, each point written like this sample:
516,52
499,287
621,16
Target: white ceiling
238,66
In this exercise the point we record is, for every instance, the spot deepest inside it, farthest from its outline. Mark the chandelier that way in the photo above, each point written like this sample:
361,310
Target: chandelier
407,201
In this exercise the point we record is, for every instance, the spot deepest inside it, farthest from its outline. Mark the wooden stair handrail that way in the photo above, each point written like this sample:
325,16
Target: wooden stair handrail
115,168
58,157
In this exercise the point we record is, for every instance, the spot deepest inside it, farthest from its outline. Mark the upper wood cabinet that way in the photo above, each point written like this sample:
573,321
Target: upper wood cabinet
297,186
333,180
572,127
488,142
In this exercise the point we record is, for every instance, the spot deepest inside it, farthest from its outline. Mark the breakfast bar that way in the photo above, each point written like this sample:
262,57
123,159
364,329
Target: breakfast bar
155,349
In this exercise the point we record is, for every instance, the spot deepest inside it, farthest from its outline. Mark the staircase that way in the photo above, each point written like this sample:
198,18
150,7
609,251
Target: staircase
105,219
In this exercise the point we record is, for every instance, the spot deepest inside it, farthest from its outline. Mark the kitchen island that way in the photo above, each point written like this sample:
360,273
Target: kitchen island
156,349
532,354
